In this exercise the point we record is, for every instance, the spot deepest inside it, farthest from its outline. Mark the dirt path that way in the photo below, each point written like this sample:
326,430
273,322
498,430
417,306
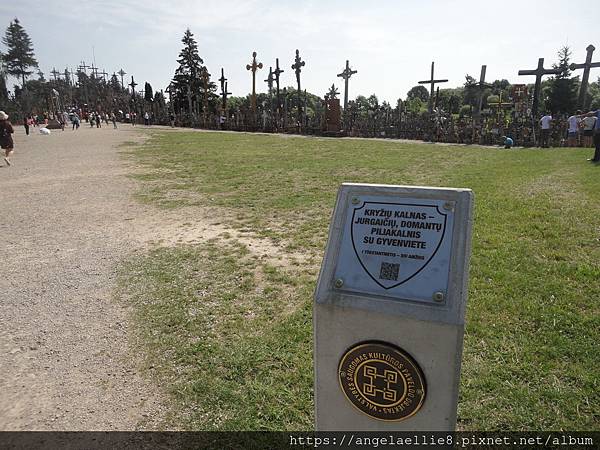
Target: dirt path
64,359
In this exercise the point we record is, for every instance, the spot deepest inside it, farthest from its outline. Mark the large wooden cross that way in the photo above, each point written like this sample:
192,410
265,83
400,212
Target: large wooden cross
297,66
346,74
586,66
254,67
270,79
224,92
481,85
432,82
83,67
133,84
122,73
277,72
539,72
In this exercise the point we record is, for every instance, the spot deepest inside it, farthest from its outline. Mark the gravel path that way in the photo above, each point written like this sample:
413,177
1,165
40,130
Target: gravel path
66,222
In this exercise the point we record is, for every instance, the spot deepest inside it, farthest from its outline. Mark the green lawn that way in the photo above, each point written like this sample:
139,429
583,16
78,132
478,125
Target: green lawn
230,334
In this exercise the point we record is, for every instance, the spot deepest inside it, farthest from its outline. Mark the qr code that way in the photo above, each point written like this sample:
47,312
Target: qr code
389,271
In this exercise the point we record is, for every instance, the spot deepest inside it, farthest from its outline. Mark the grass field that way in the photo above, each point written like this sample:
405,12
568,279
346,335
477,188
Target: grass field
229,333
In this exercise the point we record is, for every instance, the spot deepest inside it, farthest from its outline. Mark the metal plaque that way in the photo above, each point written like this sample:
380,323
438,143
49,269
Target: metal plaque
382,381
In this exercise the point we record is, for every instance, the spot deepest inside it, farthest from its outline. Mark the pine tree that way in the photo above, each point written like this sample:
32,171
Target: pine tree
19,57
186,82
148,95
563,89
3,89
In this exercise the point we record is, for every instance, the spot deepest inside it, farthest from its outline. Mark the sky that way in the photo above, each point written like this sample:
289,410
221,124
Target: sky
390,43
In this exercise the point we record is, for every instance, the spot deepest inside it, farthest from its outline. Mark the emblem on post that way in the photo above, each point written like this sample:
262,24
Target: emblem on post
382,381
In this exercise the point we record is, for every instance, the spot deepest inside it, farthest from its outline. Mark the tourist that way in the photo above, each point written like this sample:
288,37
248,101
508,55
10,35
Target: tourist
98,120
6,140
573,132
113,119
26,125
596,114
508,142
588,123
76,121
545,122
146,118
172,119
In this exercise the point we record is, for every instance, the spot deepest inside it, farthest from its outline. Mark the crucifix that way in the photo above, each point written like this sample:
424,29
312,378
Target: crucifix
254,67
224,92
277,72
332,93
122,73
432,82
539,72
269,82
586,66
346,74
104,74
133,84
55,73
297,66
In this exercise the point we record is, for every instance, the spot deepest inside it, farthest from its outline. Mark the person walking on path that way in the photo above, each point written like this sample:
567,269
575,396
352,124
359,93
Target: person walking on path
6,140
545,123
26,125
113,119
76,121
146,119
596,114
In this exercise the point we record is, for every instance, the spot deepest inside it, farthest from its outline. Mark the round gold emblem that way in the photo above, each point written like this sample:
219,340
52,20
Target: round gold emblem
382,381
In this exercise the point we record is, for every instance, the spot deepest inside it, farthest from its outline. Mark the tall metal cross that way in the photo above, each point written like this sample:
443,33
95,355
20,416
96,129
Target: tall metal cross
277,72
133,84
224,92
432,82
297,66
254,67
346,74
539,72
122,73
586,66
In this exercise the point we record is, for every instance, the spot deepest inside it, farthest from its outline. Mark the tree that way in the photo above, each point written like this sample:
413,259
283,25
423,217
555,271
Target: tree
186,81
419,92
3,89
19,57
148,93
562,95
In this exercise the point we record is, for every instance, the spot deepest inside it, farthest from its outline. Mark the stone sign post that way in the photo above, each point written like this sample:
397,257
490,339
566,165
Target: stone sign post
389,309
